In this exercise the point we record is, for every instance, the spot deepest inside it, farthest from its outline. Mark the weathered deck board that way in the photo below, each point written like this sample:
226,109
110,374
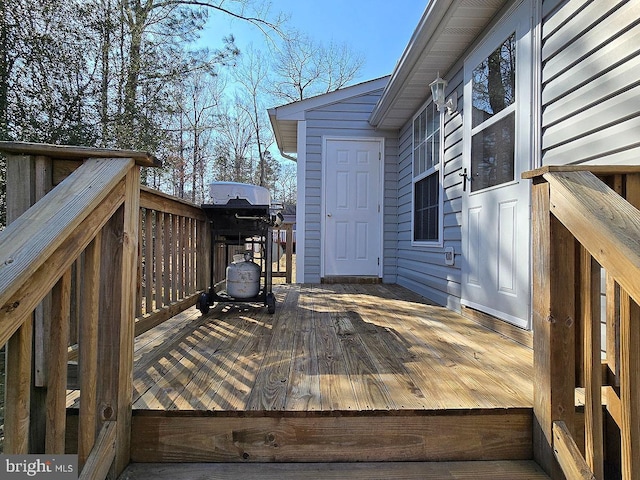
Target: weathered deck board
495,470
270,387
330,348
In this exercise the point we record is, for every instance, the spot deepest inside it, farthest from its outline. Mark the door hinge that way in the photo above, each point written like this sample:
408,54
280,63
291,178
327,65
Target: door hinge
378,261
379,155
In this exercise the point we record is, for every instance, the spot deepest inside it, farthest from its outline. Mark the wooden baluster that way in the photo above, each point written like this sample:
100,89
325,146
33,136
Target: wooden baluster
148,261
159,255
289,252
630,385
139,277
175,251
166,263
58,354
18,389
88,350
181,257
590,279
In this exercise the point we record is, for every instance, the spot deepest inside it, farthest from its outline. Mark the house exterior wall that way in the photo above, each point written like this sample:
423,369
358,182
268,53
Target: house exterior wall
423,269
589,113
590,91
348,118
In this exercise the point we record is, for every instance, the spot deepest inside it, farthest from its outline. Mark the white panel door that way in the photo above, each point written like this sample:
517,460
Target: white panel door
352,207
495,200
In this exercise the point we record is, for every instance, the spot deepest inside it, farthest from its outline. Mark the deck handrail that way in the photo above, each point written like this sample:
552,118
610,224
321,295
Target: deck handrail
89,260
173,268
585,223
602,221
71,283
98,201
43,234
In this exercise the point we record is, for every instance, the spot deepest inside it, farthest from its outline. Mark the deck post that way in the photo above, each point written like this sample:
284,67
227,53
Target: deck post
553,327
118,266
629,385
127,316
29,178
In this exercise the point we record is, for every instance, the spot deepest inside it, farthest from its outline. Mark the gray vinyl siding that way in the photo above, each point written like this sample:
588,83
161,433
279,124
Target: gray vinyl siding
590,82
348,118
591,85
423,269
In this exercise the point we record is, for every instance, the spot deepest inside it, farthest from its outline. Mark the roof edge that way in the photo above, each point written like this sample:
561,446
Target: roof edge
429,23
294,112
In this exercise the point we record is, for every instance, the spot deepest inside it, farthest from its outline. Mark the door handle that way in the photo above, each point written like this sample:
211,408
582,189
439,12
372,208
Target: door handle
465,177
328,215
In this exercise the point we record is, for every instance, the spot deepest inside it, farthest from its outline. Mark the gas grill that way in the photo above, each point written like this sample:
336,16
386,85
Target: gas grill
241,218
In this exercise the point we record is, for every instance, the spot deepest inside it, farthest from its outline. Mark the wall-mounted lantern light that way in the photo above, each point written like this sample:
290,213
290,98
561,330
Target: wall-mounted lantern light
437,91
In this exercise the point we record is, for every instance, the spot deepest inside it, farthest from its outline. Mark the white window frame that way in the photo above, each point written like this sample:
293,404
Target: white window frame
522,109
435,169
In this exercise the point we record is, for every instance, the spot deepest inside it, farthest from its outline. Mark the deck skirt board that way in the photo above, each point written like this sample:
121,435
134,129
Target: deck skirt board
462,435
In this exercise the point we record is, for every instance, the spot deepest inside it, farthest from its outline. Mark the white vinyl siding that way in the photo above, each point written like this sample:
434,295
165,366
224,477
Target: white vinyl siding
590,91
347,118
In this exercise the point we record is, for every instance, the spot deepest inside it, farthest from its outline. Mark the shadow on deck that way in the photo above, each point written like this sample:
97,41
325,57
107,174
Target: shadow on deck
329,348
340,373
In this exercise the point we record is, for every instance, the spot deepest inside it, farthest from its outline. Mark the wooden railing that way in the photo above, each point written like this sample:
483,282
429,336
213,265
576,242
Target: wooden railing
173,267
284,244
586,233
86,262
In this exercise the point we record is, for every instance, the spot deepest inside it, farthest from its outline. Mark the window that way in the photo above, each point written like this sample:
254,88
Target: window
426,175
493,117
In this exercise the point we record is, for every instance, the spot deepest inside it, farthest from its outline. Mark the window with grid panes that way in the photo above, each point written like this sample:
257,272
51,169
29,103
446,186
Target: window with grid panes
426,175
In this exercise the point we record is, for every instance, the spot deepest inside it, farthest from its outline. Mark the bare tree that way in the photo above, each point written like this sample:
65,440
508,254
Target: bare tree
177,19
234,142
285,189
252,74
304,68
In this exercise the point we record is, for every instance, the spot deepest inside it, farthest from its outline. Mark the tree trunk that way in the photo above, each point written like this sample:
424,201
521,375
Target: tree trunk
104,81
5,69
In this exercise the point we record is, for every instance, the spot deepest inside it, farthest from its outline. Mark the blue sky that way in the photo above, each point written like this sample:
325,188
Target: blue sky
379,29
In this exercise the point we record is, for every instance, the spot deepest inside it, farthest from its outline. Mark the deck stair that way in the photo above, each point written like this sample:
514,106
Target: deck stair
493,470
340,378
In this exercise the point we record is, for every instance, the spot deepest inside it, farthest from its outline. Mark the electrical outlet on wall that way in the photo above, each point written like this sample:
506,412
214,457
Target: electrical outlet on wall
449,256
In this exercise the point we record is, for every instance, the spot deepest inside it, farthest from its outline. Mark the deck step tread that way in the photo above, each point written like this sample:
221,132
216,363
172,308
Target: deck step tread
494,470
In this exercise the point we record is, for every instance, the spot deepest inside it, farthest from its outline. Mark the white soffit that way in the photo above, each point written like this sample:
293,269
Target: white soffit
446,30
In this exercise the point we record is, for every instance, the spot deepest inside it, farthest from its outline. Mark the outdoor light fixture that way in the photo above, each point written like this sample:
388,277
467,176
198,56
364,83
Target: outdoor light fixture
437,91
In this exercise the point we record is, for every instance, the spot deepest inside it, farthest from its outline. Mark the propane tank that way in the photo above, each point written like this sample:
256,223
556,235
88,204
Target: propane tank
243,277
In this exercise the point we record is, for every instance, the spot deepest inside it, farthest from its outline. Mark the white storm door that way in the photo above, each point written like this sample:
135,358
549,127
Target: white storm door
495,200
352,207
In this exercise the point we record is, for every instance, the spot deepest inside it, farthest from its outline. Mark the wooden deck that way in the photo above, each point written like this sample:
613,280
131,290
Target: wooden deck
340,373
495,470
329,348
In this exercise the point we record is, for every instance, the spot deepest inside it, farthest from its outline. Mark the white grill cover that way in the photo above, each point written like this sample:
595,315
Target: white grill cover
222,192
